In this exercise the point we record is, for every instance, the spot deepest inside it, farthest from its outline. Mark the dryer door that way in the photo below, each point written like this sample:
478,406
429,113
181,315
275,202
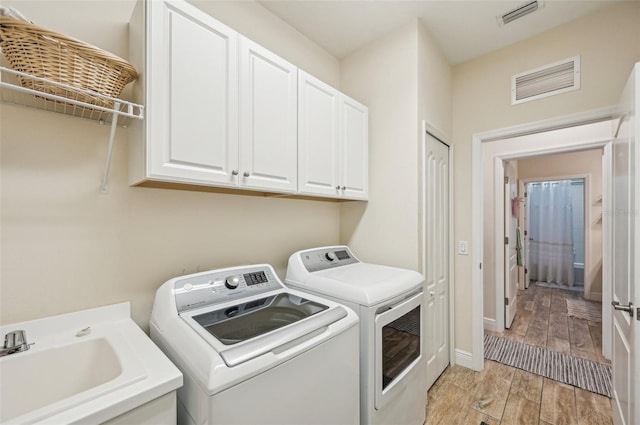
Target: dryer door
398,346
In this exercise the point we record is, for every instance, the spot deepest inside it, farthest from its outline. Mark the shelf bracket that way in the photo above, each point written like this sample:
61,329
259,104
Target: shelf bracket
104,187
71,103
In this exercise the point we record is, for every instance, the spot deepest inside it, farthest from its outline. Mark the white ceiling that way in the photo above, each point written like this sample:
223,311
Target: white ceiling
463,29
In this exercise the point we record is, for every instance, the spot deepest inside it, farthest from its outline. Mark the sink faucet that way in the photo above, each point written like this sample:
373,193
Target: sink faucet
14,342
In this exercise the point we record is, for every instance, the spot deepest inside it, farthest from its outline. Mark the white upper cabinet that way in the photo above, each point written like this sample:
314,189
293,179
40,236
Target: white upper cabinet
317,137
268,120
192,96
332,141
223,111
354,149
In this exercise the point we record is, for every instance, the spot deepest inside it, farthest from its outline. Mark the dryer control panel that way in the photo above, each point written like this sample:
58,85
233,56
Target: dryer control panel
327,258
215,287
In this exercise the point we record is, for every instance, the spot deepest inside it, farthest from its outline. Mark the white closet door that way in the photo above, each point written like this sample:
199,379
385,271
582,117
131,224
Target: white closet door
268,120
317,137
193,129
436,318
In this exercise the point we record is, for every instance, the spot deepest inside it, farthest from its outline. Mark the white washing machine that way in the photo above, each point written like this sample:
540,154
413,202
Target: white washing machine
254,352
390,304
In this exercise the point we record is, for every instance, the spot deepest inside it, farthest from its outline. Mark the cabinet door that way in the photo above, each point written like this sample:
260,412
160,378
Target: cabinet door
268,120
317,137
354,149
192,96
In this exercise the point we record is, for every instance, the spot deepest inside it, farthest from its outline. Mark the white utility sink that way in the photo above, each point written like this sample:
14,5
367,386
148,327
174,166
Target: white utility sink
91,367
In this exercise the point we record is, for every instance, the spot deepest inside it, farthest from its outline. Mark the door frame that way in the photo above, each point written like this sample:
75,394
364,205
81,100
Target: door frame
428,128
477,201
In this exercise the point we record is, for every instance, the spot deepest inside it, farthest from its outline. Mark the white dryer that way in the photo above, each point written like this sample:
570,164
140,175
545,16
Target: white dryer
254,352
390,304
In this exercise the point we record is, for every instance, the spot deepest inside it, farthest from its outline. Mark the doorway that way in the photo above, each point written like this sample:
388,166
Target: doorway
489,151
558,244
536,166
621,259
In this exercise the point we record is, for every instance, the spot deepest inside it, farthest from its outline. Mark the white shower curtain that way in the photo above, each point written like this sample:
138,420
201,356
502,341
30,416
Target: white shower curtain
551,232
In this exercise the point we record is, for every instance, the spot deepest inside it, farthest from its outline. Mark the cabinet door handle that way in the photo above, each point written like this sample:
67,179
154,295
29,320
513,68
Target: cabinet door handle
337,187
234,172
344,187
246,174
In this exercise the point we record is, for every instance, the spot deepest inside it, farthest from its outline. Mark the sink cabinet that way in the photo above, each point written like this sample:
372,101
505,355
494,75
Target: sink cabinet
332,141
94,366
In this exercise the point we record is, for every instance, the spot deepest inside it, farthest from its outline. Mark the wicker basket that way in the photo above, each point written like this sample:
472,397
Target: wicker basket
43,53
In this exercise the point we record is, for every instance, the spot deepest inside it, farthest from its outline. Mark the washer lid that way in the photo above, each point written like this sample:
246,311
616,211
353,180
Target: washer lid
362,283
241,322
257,327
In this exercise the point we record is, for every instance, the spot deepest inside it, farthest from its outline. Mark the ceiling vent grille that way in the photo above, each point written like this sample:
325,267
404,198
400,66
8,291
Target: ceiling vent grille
520,11
549,80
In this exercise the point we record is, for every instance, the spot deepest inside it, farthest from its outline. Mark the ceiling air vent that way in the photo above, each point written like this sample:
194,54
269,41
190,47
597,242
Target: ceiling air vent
520,11
549,80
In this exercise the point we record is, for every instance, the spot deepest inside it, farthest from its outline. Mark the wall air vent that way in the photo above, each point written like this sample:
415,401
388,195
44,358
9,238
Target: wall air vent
520,11
549,80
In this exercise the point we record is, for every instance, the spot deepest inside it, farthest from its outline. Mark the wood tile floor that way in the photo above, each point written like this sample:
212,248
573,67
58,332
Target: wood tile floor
505,395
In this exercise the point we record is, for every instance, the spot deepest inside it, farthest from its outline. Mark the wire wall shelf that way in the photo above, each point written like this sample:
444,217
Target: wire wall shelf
68,100
65,99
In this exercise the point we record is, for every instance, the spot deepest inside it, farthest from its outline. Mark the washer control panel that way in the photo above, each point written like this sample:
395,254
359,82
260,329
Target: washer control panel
215,287
327,258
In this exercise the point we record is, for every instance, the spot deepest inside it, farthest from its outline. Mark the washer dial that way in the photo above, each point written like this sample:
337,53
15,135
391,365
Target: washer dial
232,282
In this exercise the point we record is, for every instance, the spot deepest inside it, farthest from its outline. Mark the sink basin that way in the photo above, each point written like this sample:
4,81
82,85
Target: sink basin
71,369
82,369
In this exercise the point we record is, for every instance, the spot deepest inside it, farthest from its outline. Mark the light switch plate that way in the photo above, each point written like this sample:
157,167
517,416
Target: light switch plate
463,248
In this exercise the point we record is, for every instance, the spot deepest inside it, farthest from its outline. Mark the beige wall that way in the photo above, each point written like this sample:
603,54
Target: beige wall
608,43
257,23
434,108
403,78
434,85
577,163
65,246
383,75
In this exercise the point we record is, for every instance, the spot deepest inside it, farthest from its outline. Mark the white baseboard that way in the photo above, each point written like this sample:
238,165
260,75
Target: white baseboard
595,296
490,324
464,358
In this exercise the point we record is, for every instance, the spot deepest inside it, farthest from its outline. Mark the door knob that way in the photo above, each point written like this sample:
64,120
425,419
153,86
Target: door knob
628,308
246,174
234,172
